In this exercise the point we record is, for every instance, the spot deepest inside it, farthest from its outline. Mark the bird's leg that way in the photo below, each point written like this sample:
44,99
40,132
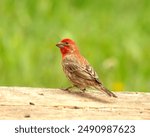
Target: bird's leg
82,89
67,89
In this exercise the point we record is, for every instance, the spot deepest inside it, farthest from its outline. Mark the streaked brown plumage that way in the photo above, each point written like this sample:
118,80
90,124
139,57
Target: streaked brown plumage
77,68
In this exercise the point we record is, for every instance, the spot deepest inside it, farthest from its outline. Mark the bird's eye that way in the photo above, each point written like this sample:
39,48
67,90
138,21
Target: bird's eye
66,43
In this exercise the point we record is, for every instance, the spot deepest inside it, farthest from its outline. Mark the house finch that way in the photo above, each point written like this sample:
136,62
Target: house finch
77,68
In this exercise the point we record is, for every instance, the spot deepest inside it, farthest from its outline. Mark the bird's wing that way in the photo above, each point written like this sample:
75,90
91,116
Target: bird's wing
82,71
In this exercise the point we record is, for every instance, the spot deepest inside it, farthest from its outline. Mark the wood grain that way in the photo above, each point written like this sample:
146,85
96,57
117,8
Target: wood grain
20,103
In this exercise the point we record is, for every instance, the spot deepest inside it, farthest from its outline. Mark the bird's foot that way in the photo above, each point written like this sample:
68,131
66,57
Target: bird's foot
83,90
67,89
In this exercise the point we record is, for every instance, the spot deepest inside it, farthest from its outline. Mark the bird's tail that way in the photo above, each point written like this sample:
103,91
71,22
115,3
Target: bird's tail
105,90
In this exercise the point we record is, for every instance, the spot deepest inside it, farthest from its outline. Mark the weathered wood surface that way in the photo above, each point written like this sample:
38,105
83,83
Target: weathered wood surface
40,103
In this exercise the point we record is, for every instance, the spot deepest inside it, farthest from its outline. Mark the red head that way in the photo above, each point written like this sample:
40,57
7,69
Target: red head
67,46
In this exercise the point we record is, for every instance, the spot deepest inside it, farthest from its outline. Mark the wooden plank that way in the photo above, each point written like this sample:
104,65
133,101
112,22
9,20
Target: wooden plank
41,103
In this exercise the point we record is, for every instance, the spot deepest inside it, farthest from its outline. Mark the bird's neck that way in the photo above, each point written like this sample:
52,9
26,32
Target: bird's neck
65,52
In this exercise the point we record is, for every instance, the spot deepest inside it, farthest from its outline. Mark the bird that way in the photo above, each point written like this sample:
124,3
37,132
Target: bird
77,68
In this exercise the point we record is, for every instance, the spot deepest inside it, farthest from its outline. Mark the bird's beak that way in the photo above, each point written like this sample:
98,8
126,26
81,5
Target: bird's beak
60,45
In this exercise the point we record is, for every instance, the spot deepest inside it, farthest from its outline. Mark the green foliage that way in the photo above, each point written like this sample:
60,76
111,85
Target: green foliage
113,35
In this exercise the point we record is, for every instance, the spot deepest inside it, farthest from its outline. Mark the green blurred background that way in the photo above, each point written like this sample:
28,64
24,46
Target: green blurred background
114,35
